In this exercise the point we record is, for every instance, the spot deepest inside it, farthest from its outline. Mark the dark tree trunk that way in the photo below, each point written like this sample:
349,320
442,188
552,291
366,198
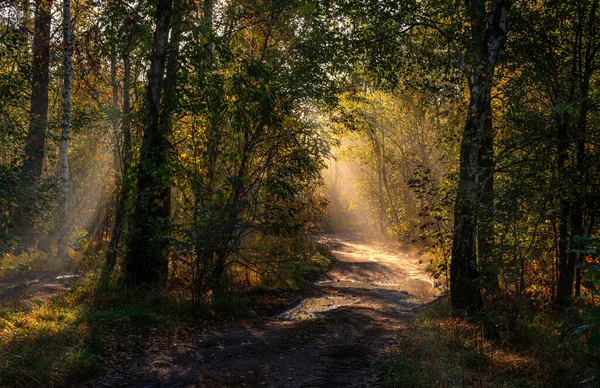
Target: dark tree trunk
170,97
485,219
36,135
146,262
35,145
564,287
464,288
578,206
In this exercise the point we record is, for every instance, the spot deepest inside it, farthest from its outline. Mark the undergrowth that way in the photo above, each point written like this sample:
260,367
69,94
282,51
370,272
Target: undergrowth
25,264
441,350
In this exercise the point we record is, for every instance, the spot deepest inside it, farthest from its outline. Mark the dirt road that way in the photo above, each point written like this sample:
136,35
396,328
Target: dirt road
20,291
337,340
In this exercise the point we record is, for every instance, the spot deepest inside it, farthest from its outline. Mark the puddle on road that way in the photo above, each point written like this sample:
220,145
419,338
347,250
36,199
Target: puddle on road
69,276
418,289
315,307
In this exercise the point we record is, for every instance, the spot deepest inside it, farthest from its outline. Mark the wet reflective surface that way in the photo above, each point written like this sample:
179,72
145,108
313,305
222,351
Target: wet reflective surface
367,275
419,290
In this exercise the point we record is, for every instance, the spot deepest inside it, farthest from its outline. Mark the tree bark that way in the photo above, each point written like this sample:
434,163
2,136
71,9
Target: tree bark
35,145
485,218
36,135
564,287
146,262
464,288
63,217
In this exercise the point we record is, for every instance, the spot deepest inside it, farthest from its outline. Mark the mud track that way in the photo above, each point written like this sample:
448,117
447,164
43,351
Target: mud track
338,340
38,286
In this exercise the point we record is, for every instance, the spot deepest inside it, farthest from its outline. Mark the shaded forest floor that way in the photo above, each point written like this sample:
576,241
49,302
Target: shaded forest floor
339,337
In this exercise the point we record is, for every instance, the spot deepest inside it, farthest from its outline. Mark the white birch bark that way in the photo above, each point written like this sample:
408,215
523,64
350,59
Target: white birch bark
63,158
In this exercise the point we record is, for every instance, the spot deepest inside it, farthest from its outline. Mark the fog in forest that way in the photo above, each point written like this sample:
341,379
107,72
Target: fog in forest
350,208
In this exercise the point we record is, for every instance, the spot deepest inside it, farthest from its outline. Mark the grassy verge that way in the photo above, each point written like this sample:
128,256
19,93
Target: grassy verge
445,351
64,340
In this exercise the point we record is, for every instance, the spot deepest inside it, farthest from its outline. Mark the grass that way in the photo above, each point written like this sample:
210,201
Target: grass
48,345
445,351
62,341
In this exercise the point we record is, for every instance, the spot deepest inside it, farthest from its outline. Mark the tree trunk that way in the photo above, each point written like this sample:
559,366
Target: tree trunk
63,159
126,157
36,135
212,135
564,288
170,98
115,115
35,145
485,218
382,218
146,262
464,290
207,9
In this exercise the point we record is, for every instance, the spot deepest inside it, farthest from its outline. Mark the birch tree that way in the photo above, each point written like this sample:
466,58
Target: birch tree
63,216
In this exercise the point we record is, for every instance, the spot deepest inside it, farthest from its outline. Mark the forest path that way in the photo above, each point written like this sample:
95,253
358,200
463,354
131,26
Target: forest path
43,285
336,340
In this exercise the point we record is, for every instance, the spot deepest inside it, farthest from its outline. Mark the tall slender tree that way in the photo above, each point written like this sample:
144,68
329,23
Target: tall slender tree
35,145
464,288
36,135
126,159
126,25
571,132
63,217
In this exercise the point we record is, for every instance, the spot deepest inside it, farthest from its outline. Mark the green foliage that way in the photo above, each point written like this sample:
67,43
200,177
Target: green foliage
286,263
391,174
248,156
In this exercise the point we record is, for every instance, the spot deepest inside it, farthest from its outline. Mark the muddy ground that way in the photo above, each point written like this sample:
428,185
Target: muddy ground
338,339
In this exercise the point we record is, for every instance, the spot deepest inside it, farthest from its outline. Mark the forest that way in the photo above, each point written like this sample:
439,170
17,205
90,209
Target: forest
419,178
